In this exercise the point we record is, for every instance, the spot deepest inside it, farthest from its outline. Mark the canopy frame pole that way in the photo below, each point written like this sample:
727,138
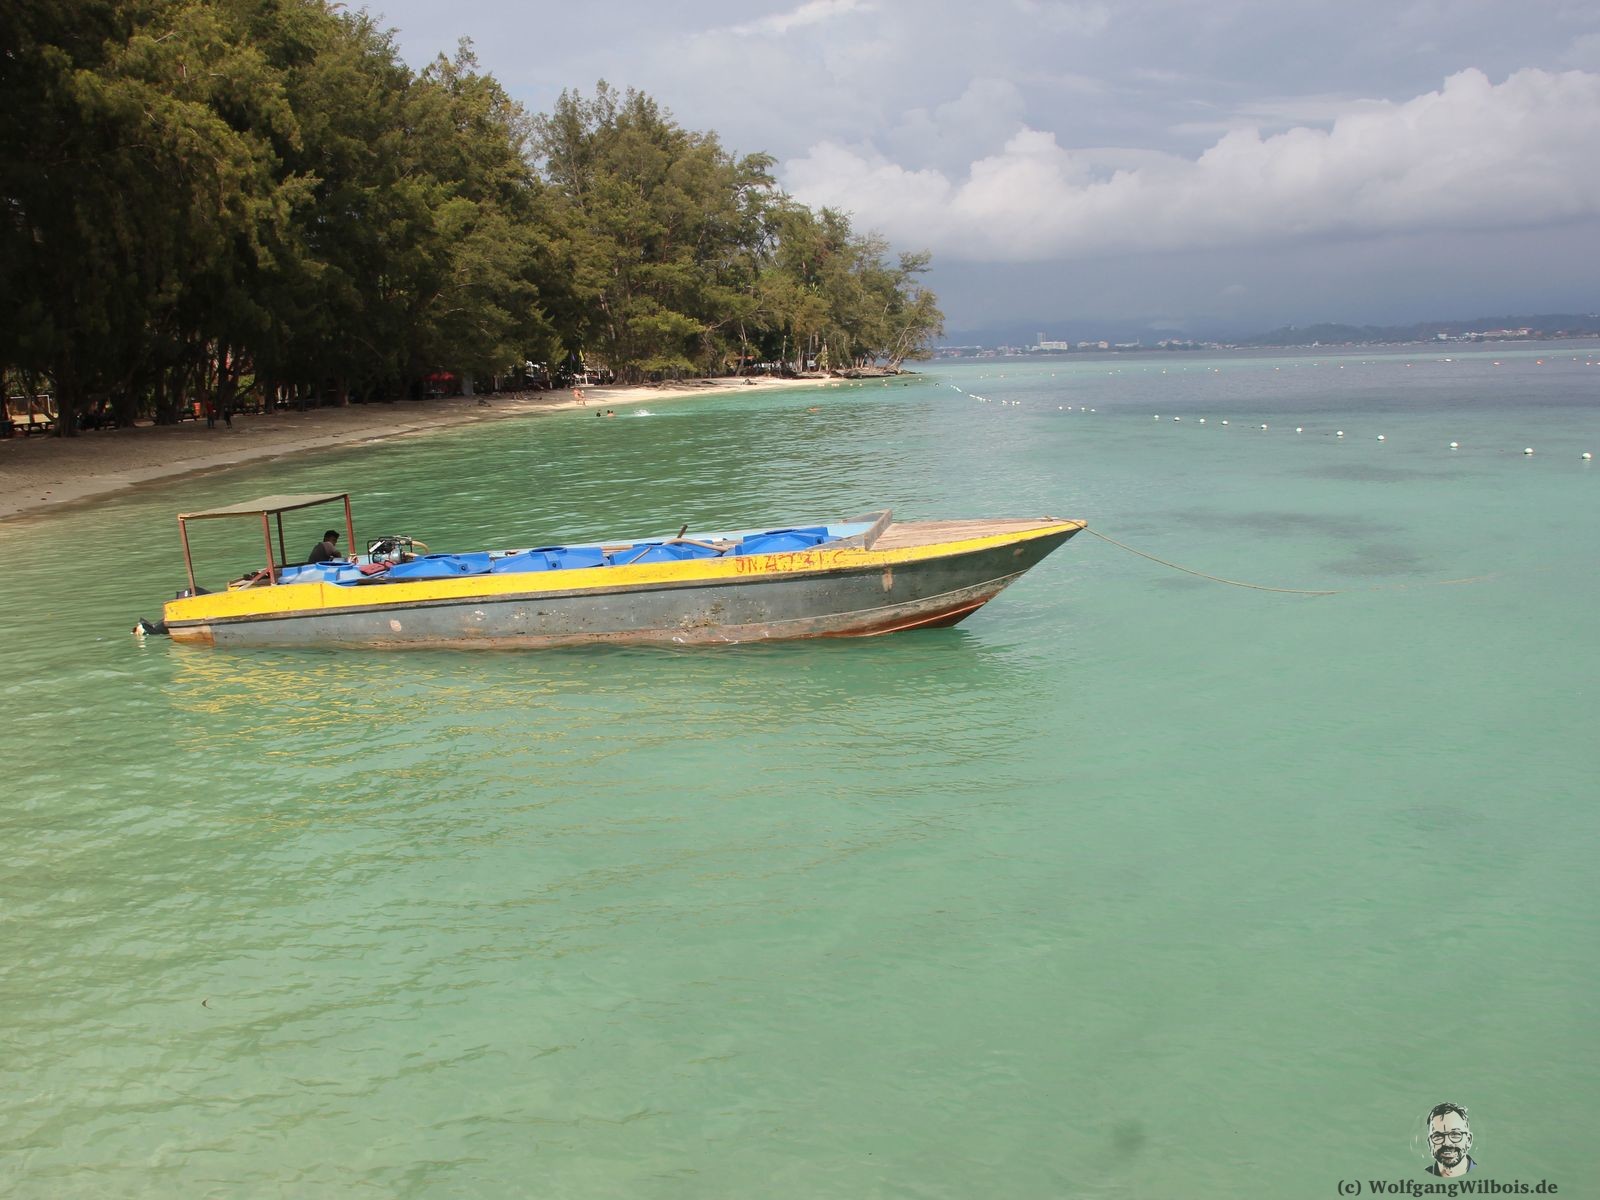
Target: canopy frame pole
266,537
349,530
188,560
283,552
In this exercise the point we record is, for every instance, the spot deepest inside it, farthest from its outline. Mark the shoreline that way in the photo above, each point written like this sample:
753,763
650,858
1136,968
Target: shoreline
43,474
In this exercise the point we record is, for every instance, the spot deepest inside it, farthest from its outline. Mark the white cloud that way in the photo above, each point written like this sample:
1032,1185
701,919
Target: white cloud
988,111
1282,113
813,12
1055,16
1471,156
1584,52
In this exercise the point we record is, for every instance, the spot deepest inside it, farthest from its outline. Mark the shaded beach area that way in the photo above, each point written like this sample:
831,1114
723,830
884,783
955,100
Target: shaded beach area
39,473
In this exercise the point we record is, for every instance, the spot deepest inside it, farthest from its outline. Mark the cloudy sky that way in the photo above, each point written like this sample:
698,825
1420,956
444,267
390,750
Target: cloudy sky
1166,166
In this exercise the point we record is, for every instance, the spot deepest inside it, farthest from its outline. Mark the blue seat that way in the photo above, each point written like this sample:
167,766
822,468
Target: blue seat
776,541
657,552
441,566
528,560
681,551
639,552
322,572
572,558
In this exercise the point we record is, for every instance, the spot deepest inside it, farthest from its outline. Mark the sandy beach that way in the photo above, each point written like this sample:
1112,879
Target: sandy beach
41,473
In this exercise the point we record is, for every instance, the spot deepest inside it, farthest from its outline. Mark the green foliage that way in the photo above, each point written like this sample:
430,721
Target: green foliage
687,258
197,196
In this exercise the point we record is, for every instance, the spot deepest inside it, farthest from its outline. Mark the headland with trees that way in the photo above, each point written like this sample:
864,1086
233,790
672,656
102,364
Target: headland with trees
222,203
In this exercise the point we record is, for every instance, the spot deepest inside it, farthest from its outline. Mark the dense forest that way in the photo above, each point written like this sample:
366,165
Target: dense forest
204,199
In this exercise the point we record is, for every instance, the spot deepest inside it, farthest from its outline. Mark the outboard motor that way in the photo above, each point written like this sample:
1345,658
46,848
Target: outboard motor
393,548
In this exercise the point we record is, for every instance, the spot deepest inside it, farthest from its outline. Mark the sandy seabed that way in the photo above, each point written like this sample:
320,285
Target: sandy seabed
40,473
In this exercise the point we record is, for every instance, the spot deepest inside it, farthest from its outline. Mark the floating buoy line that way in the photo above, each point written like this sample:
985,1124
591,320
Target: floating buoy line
1527,451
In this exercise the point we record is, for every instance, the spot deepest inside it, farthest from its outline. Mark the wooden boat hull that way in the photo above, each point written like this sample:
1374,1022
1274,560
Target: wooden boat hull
903,582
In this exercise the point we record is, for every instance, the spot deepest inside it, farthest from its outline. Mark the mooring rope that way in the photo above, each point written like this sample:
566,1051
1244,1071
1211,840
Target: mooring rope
1259,587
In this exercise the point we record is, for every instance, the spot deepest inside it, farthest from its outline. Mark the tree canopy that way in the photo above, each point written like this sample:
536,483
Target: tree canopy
199,197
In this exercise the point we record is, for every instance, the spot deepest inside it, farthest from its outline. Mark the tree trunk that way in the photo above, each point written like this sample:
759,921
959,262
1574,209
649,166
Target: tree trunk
125,401
69,395
227,388
158,399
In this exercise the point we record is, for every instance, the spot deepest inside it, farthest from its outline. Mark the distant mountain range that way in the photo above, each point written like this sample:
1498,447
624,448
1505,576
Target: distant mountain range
1328,334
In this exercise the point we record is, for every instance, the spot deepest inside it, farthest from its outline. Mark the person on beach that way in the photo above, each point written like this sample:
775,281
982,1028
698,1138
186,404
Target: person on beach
1449,1139
327,550
577,394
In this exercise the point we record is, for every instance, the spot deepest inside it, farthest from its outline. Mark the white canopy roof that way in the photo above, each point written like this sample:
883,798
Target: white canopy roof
267,504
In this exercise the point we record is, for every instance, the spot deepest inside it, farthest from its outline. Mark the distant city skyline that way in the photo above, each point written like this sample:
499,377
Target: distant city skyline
1090,335
1167,168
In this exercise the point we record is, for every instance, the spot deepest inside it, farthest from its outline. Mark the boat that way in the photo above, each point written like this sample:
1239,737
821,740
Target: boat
859,577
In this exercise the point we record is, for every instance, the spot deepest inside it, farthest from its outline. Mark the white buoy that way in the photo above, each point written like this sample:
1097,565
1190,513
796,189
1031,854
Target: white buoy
1339,434
1299,429
1263,427
1202,420
1587,456
1527,449
1224,422
1455,445
1157,417
1381,438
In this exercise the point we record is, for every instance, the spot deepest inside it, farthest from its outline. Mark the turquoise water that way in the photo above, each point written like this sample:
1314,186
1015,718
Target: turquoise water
1135,885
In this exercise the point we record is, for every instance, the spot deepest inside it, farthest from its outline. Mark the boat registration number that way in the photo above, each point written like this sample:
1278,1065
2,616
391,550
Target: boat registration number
789,560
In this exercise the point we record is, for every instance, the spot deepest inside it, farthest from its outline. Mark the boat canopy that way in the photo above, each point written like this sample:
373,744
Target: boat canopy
266,506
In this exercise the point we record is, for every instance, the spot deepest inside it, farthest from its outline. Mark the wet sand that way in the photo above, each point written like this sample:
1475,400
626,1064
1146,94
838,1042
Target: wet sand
39,473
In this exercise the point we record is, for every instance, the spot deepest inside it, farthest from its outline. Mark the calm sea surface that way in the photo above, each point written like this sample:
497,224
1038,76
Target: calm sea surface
1134,886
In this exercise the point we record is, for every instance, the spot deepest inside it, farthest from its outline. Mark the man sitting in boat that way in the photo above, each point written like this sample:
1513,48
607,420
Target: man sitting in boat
327,550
